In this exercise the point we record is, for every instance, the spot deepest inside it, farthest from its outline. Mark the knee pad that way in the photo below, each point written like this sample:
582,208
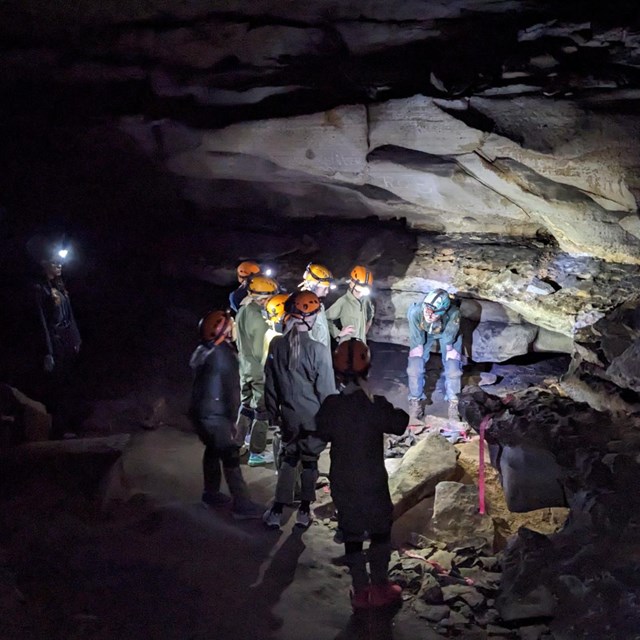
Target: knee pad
245,411
292,461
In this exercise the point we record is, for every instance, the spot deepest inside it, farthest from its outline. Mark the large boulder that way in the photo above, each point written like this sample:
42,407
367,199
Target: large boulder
456,519
426,464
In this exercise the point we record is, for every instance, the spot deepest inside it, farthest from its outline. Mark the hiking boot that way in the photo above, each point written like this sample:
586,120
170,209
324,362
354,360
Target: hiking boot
453,410
246,510
304,519
271,520
382,595
416,411
217,499
260,459
360,598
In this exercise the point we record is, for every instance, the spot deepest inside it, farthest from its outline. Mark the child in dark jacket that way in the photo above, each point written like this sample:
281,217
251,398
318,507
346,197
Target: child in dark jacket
215,398
354,422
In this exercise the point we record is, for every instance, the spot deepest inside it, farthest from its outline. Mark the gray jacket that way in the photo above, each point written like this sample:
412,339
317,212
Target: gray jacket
294,395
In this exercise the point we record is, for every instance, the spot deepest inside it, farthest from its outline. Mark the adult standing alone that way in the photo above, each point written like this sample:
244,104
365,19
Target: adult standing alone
59,339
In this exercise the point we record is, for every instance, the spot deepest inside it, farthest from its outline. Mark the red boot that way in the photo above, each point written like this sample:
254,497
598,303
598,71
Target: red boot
360,599
381,595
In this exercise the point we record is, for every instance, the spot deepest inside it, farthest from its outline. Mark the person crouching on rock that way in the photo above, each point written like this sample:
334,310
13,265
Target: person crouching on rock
354,422
215,399
299,377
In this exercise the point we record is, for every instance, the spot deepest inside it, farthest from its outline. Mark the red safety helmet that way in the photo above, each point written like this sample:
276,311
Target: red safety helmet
213,327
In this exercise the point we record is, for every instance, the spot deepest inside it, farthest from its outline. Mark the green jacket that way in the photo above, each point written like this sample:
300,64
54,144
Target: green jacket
348,310
251,327
320,330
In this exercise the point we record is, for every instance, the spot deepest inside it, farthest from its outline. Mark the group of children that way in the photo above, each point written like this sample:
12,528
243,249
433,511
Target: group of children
285,375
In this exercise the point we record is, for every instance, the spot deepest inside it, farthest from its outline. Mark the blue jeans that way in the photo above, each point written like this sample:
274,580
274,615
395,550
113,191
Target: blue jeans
452,374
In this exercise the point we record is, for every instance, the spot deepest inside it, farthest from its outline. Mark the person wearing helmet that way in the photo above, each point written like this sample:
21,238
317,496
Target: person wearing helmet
244,271
60,341
319,280
251,329
351,315
274,315
299,377
433,320
215,397
354,422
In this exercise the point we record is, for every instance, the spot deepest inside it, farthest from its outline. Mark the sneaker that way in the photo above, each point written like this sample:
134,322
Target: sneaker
271,520
304,519
246,510
381,595
259,459
360,598
217,499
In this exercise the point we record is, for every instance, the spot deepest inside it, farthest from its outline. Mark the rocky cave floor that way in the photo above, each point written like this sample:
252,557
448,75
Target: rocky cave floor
108,546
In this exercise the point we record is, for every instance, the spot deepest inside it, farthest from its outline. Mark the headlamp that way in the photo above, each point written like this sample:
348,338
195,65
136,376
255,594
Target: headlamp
268,272
63,253
365,291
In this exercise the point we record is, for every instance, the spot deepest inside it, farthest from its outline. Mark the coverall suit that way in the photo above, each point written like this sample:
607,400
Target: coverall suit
251,328
355,423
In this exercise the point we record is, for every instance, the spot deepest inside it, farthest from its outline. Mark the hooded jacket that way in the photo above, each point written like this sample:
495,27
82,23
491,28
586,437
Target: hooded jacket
447,332
295,395
215,394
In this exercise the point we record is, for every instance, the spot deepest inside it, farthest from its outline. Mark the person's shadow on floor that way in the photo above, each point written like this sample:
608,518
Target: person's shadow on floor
375,624
266,594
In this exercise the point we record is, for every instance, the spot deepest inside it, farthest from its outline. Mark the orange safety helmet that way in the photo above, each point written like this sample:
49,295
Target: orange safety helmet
247,268
262,286
275,307
302,304
361,276
317,274
352,358
214,325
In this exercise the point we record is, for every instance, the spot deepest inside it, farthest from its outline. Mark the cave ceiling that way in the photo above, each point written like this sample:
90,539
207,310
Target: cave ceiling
465,118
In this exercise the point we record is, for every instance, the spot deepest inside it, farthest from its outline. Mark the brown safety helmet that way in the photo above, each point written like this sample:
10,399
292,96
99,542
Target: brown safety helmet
302,304
352,358
262,286
214,325
275,307
361,276
247,268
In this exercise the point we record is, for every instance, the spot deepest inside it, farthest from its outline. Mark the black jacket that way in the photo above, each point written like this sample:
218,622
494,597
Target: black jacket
215,394
355,425
60,335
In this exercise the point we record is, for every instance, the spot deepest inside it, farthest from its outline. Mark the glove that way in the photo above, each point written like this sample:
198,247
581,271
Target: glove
417,352
48,363
452,354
